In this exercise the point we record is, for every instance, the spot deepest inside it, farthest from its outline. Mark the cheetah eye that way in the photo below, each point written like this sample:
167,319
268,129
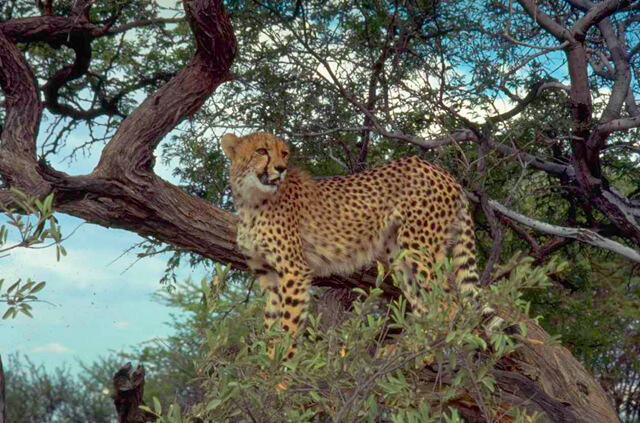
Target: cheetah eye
262,151
284,154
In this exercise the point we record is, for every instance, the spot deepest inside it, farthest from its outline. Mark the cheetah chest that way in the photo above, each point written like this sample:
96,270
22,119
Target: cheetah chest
246,236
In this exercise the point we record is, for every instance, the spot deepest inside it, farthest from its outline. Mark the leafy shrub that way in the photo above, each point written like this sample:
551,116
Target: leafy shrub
375,363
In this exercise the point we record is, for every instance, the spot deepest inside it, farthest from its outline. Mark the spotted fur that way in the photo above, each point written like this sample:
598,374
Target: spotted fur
294,227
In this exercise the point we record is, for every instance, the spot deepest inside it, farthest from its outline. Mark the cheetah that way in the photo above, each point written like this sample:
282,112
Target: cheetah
294,227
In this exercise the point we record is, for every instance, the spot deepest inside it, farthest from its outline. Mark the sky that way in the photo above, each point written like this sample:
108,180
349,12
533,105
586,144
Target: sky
94,303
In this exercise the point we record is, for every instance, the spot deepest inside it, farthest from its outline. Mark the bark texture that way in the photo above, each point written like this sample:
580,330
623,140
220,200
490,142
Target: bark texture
548,379
128,388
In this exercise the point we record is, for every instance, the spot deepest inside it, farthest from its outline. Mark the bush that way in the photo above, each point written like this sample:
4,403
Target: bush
373,363
35,395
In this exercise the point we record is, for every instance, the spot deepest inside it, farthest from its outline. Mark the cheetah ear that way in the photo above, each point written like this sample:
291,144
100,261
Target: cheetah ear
229,142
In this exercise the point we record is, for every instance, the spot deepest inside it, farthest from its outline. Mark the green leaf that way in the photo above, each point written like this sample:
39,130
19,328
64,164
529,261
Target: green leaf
39,287
48,203
147,409
213,404
8,313
488,382
14,286
157,406
450,337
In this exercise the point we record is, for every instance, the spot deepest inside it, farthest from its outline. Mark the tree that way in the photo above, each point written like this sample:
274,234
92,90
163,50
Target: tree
37,395
428,76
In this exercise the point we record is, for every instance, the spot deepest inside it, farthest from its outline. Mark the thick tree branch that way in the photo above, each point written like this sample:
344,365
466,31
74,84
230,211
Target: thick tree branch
622,71
56,30
631,104
620,124
545,21
82,48
22,101
566,382
583,235
131,148
597,13
22,120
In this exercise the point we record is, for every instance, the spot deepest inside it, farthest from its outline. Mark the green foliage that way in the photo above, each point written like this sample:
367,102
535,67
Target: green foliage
36,227
595,310
37,395
34,221
171,363
18,296
373,362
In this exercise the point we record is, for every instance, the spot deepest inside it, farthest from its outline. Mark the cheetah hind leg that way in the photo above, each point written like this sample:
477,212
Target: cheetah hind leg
273,315
415,271
418,266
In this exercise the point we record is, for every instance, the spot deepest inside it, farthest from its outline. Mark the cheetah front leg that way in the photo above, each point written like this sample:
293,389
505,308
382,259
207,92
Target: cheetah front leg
293,294
287,285
294,281
268,280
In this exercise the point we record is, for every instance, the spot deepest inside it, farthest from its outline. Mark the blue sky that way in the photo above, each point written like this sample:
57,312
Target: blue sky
93,303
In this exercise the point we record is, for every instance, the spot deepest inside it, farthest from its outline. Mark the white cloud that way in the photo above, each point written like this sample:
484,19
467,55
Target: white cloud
122,324
89,263
52,348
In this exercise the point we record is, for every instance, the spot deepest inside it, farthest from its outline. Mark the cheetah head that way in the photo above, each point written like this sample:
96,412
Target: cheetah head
258,164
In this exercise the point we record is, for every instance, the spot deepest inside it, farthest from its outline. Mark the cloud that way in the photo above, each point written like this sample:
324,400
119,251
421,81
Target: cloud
122,324
52,348
89,262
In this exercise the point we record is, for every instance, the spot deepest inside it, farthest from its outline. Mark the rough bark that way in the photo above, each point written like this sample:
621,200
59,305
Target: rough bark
128,388
549,379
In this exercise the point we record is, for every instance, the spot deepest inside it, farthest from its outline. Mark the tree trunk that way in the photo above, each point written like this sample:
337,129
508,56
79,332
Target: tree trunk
128,388
549,379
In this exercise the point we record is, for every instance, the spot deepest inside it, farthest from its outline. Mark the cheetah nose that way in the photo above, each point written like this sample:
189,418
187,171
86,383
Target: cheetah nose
281,169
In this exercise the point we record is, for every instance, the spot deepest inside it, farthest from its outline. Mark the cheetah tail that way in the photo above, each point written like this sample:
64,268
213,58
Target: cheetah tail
465,266
464,250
